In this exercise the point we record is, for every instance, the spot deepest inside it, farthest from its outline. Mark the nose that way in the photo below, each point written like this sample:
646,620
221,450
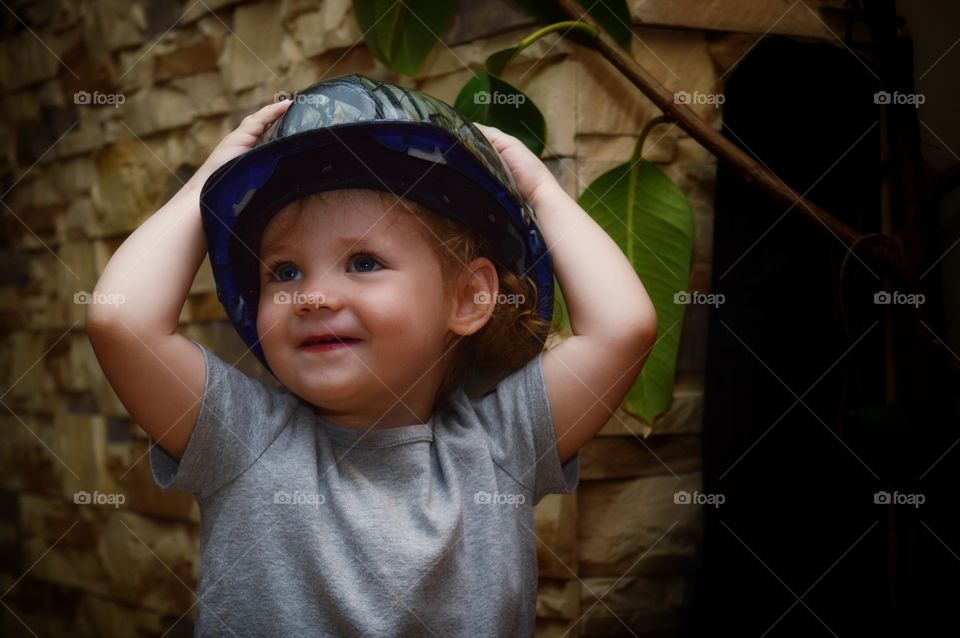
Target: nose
316,293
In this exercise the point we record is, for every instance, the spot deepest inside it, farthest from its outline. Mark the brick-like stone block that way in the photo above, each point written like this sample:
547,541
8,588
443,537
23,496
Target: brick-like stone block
636,526
555,523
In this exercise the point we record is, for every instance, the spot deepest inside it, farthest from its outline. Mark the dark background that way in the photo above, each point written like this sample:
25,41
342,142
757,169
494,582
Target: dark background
800,428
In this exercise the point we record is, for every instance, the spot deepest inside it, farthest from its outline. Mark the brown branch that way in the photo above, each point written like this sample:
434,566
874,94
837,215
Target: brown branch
882,252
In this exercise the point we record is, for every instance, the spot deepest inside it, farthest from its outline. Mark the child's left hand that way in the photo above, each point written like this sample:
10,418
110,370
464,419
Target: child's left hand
530,173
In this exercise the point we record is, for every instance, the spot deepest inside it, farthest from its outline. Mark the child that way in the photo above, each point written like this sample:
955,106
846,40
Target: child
371,495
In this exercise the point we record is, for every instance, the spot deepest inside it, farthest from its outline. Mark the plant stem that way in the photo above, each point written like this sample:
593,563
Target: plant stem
500,64
886,254
638,149
589,29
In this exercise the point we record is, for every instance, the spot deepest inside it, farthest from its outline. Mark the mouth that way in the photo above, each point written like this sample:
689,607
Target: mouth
323,343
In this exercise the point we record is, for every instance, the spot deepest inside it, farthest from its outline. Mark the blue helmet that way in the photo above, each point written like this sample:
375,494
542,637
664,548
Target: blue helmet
355,132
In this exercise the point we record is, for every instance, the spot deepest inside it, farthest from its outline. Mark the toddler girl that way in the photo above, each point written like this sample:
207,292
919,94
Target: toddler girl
386,488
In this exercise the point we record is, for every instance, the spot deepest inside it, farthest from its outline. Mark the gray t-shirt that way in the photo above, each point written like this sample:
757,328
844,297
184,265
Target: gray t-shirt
313,529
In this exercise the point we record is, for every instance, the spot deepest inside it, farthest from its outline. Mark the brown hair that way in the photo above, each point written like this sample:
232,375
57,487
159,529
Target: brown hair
514,333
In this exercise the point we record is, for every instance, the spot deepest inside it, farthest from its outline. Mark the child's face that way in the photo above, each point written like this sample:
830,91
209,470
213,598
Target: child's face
352,270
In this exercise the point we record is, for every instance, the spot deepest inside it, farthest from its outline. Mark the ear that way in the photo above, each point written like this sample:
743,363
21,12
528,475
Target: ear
474,295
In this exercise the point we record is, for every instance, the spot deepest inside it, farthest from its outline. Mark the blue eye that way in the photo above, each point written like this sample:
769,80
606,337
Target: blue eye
286,272
366,262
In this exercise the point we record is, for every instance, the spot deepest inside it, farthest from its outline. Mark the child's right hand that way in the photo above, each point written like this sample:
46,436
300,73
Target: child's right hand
241,139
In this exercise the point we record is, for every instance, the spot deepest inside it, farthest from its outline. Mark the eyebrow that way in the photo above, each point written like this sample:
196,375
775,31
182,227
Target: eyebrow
346,242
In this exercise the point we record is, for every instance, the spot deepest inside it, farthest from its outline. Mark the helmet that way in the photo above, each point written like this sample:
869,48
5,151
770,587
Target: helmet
355,132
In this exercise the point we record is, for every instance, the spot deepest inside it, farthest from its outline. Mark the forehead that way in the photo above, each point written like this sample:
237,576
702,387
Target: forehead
359,213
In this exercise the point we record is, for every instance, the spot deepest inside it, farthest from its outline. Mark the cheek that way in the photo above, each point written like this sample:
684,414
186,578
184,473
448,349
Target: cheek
389,317
268,326
385,314
270,332
411,312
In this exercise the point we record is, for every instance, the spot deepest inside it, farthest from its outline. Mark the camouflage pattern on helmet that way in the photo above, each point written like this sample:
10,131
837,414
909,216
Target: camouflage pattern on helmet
358,98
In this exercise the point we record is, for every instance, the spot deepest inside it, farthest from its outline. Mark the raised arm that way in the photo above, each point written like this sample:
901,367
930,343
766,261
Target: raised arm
614,322
158,374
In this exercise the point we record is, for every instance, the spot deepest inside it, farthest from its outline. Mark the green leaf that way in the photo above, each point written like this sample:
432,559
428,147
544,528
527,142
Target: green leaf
495,102
401,34
613,16
651,221
496,62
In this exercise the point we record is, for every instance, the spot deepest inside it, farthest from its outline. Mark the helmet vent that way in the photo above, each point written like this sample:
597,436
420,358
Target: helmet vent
436,156
239,206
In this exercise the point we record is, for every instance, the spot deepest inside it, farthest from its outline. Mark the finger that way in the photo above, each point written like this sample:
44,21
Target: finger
273,109
498,139
490,132
256,122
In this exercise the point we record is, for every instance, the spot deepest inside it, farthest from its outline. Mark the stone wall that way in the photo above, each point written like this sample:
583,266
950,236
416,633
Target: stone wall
78,177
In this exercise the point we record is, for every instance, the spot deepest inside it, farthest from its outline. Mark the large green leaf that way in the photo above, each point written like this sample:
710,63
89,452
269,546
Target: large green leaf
493,101
496,62
613,16
401,34
651,221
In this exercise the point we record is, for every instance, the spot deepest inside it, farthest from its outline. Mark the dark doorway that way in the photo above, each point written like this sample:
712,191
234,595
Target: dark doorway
796,436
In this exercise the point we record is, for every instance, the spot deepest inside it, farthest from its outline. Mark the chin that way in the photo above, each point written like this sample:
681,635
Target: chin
320,384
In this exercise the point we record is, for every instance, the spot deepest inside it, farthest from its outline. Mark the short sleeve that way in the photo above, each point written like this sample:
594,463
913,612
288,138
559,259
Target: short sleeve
239,418
517,420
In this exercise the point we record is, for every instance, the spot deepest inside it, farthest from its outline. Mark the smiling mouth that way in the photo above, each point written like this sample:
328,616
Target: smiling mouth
317,345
